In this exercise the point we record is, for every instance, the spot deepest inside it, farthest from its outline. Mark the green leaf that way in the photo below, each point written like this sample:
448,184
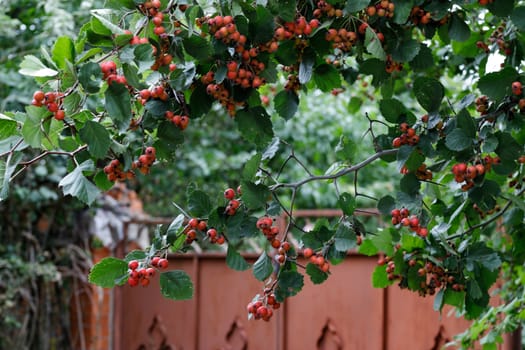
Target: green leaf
263,267
502,8
374,45
347,203
355,5
144,57
108,272
254,196
368,248
255,126
376,68
289,284
90,77
96,137
344,238
317,276
508,148
429,93
346,149
479,253
175,229
176,285
286,103
118,105
454,298
518,17
32,128
7,168
438,300
380,277
386,204
318,237
458,30
306,65
200,102
466,123
497,85
410,184
262,27
235,261
198,47
251,167
284,8
410,242
458,140
104,16
406,50
135,255
392,109
199,204
77,185
423,60
33,67
7,126
326,77
63,52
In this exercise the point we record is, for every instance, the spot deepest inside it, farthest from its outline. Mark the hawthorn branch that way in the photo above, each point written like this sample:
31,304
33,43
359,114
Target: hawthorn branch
356,167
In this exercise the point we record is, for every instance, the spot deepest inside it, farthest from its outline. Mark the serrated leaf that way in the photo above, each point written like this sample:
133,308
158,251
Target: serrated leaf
96,137
90,77
199,204
410,242
198,47
286,103
497,85
386,204
306,65
235,261
33,67
63,51
429,93
438,300
251,167
465,122
289,284
479,253
77,185
144,57
317,276
457,140
175,229
327,77
406,50
347,203
458,30
263,267
135,255
255,126
104,17
344,238
254,196
176,285
392,109
380,277
454,298
518,17
7,168
373,44
118,105
108,272
355,5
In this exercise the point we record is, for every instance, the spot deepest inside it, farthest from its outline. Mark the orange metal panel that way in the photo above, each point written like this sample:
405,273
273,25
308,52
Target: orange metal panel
223,322
150,321
345,312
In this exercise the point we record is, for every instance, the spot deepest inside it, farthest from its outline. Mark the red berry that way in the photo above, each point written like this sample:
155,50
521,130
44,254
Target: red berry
133,264
39,95
163,264
193,223
229,193
133,282
516,88
155,261
60,114
150,272
144,282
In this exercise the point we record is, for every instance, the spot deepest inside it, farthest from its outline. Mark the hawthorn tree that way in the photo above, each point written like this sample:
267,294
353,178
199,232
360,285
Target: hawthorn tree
120,97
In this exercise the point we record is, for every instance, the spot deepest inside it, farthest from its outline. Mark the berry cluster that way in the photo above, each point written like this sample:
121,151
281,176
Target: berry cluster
180,121
390,64
265,225
158,92
195,225
150,8
341,39
115,172
422,173
420,16
52,101
482,105
435,278
299,28
401,217
109,70
408,136
390,267
142,272
145,160
483,213
384,8
262,308
467,173
498,37
324,8
233,204
317,259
